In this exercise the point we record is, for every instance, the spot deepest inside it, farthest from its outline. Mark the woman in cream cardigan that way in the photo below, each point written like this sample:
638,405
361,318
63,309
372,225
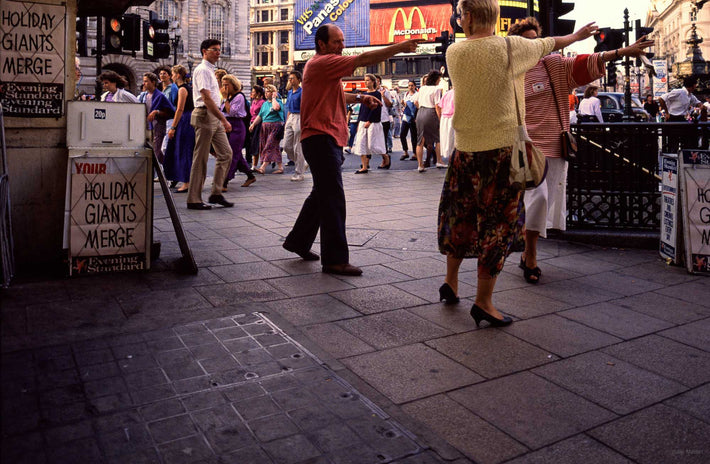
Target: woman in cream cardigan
480,214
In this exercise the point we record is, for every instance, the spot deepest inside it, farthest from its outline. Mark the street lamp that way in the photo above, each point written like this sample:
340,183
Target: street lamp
190,62
175,32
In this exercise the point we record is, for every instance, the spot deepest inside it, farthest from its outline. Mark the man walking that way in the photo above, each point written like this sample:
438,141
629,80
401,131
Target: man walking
292,130
324,133
211,128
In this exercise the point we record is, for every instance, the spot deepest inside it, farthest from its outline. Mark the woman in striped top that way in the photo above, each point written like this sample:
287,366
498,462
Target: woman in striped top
545,206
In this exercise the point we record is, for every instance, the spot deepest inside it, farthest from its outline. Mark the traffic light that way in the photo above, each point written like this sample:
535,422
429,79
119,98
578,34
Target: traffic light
642,31
156,41
113,34
550,12
443,39
81,39
611,74
609,39
131,32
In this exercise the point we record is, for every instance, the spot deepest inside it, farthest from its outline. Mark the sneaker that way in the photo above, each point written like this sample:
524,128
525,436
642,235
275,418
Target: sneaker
441,165
421,169
296,178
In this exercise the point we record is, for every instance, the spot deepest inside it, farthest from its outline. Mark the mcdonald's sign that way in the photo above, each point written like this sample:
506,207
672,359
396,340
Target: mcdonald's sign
392,25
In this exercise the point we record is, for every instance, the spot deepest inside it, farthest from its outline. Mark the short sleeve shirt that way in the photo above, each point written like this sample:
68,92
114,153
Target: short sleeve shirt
323,110
204,78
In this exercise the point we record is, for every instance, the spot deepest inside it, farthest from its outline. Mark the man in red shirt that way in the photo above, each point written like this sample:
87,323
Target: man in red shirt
324,133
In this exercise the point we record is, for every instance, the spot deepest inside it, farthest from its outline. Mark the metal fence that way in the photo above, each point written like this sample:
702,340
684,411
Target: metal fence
614,181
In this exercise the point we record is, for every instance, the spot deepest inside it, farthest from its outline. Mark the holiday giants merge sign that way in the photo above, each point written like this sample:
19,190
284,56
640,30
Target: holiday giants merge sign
32,42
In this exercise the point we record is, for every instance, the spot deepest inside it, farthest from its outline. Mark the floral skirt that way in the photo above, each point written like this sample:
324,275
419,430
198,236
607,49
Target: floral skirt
480,214
270,149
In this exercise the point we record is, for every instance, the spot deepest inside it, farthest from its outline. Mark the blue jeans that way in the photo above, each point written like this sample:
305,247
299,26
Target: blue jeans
325,206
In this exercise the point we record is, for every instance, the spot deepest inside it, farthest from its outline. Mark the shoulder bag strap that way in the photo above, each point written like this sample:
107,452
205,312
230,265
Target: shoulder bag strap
512,81
554,95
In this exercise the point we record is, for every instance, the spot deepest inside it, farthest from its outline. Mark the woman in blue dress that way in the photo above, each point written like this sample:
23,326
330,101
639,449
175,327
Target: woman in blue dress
178,158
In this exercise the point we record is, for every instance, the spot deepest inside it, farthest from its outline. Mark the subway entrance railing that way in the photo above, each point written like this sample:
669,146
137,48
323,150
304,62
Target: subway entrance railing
613,184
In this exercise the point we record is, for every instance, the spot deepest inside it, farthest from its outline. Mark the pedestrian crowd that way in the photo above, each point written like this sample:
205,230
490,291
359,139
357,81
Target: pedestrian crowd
470,132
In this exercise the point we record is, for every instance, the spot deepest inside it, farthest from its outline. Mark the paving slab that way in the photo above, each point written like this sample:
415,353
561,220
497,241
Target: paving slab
491,353
695,402
560,336
658,434
473,436
610,382
377,299
616,320
530,409
575,450
393,328
662,307
410,372
695,334
666,357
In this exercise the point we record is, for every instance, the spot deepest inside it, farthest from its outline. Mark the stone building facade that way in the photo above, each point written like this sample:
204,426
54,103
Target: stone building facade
196,20
671,23
271,27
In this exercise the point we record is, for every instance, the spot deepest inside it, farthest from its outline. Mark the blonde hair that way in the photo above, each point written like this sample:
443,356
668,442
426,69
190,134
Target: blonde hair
234,81
270,88
219,74
180,71
484,13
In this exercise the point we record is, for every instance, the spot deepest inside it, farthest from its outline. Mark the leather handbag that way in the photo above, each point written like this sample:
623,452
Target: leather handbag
568,143
528,166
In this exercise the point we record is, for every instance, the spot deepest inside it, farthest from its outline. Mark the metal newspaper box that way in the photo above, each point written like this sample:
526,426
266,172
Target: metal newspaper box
108,217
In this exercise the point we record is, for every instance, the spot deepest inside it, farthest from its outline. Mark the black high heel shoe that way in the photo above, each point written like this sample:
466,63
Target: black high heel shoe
447,295
478,315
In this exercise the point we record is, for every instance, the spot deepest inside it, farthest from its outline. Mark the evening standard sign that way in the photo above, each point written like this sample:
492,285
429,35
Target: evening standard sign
32,41
109,213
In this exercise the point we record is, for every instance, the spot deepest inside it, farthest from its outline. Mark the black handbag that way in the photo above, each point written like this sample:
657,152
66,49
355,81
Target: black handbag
568,143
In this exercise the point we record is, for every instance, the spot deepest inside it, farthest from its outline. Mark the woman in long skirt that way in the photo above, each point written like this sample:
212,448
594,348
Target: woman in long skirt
181,143
234,108
271,117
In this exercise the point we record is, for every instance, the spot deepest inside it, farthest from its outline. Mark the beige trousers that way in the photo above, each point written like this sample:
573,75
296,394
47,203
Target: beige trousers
208,132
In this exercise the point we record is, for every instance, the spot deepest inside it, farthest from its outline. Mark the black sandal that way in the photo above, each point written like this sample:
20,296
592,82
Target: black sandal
530,272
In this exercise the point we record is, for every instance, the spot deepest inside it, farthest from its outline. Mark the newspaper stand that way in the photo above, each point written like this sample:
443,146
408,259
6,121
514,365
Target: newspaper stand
108,218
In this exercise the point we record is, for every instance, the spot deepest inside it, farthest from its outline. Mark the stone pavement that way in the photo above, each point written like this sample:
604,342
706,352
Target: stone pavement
261,358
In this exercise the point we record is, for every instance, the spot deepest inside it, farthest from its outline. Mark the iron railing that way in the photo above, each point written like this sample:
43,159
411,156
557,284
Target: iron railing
614,181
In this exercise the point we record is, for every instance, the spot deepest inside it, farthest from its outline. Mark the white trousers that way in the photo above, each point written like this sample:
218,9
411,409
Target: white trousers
446,137
292,142
546,205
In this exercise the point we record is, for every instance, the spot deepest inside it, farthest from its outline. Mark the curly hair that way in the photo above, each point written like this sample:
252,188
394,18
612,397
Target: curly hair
524,25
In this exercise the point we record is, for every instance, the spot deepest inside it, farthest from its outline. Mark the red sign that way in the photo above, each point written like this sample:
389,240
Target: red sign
392,25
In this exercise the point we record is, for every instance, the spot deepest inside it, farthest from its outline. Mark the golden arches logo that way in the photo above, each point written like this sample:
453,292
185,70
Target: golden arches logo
407,30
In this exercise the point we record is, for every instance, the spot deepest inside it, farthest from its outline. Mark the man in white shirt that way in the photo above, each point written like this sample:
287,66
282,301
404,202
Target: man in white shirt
677,103
211,129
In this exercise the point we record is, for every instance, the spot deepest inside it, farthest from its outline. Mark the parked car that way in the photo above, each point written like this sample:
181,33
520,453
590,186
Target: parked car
613,107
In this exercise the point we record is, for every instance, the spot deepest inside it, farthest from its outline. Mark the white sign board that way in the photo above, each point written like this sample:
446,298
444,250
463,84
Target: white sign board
660,82
669,208
32,59
110,214
695,185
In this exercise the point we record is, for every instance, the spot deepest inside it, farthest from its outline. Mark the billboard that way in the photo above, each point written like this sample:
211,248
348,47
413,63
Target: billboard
392,22
352,16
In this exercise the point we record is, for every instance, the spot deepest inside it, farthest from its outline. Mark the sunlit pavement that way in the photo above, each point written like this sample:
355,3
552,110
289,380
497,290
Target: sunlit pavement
261,358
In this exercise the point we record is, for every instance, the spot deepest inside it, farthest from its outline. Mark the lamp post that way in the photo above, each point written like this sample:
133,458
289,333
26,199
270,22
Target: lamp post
175,33
190,62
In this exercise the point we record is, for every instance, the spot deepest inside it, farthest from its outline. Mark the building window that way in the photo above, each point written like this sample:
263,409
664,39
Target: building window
263,59
283,40
265,16
167,9
284,14
284,58
215,22
265,38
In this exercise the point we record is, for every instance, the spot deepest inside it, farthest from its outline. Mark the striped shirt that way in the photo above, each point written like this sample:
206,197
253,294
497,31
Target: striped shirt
541,118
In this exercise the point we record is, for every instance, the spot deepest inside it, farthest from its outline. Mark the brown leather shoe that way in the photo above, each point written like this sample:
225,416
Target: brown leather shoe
342,269
249,181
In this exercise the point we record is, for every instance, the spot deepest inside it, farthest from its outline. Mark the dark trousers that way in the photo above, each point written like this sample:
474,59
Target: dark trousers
325,206
410,127
388,136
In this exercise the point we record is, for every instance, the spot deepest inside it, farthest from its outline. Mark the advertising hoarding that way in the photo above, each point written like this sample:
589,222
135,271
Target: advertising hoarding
660,83
352,16
393,22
